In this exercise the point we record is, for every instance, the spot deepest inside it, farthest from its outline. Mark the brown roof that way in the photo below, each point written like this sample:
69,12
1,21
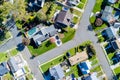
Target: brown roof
64,17
118,43
79,57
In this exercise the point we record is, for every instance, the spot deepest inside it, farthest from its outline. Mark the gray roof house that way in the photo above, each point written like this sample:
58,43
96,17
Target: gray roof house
64,17
44,34
13,65
3,68
107,14
57,72
109,33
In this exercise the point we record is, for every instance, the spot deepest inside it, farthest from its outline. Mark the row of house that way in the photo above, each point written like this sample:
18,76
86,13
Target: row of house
15,65
58,71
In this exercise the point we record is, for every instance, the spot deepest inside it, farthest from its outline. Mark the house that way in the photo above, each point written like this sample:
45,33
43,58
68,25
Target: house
15,68
79,57
107,15
3,68
116,25
57,72
35,4
109,33
115,44
92,76
44,34
118,55
85,67
64,18
13,65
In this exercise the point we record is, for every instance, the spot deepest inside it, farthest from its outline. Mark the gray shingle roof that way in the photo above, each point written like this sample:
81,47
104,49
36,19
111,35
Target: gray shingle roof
3,68
13,65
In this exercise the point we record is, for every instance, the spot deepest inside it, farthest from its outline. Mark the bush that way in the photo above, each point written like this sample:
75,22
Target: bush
101,39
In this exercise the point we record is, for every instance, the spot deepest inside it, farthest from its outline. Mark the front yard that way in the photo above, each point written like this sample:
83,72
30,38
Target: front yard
46,45
117,72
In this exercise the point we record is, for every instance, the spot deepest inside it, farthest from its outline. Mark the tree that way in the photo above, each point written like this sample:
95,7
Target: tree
98,22
26,41
1,2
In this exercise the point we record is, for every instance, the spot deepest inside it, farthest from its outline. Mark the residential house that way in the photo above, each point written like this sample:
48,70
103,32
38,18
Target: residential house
3,68
85,67
79,57
44,34
64,18
15,69
107,15
109,33
57,72
35,4
115,44
91,76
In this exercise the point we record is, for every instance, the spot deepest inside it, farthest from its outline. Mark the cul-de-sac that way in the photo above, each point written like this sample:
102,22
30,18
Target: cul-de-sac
59,39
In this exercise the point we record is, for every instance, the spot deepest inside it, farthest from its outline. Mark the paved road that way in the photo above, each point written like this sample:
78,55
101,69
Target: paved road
12,42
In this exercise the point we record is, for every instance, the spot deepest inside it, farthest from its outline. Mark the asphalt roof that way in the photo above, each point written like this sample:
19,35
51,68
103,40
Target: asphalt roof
57,72
3,68
13,65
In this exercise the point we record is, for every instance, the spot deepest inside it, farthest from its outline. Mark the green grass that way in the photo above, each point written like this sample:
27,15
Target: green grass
26,69
4,38
75,19
74,70
3,57
117,72
59,7
56,61
68,35
46,46
29,77
83,1
97,6
80,5
76,12
116,5
14,52
96,69
100,27
8,76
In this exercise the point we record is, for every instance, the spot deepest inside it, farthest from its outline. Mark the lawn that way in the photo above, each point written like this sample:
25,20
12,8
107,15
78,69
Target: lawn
3,57
29,77
55,61
73,70
46,46
8,76
116,5
110,56
83,1
117,72
14,52
68,35
96,69
76,12
75,19
97,6
100,27
6,37
80,5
